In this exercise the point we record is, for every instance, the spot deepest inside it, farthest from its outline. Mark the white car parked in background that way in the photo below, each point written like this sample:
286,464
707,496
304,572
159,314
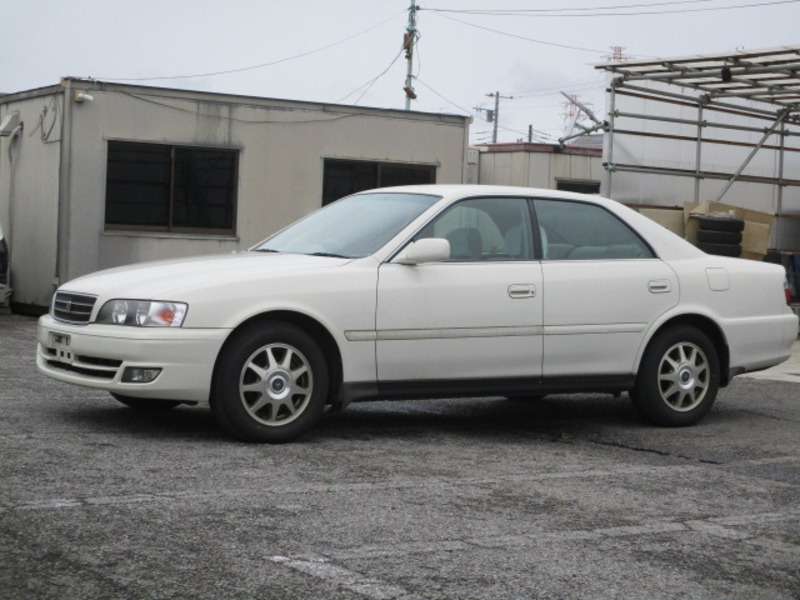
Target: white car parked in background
425,291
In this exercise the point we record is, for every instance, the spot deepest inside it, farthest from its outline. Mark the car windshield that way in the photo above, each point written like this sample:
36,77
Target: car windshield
353,227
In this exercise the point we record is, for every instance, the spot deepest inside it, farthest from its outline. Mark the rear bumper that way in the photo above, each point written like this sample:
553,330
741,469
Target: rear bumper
758,344
96,356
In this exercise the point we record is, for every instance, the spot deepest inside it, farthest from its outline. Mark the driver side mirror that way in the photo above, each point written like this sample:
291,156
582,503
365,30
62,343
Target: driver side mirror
424,251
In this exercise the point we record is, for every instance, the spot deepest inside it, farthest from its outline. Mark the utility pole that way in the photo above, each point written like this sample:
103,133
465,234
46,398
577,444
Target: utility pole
409,39
497,97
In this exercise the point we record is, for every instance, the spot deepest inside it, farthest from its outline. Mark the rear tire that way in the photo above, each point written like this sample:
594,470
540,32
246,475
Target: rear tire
678,378
271,384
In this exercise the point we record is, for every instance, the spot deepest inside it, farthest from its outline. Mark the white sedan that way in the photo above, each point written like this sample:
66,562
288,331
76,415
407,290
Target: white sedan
425,291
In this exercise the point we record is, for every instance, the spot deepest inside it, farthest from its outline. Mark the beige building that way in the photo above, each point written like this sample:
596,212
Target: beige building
95,175
572,168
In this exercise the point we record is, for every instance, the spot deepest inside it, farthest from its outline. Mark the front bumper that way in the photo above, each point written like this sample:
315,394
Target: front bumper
96,356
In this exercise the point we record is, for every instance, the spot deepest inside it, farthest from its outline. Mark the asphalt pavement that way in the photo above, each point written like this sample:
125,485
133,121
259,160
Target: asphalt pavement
569,497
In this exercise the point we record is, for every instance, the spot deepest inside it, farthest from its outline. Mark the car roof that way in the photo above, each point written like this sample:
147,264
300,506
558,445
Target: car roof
459,189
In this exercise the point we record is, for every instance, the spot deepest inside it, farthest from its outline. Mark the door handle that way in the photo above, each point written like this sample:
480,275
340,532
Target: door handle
659,286
522,290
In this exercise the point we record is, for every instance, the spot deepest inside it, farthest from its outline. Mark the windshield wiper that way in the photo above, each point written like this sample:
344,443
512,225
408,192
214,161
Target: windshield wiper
328,254
325,254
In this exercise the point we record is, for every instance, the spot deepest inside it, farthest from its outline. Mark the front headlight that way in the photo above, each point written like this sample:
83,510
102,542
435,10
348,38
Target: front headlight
143,313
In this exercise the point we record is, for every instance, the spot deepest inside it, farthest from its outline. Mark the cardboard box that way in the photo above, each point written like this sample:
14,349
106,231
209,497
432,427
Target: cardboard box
757,225
672,219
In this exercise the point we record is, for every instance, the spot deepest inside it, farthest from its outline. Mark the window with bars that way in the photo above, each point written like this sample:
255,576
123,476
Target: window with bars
160,187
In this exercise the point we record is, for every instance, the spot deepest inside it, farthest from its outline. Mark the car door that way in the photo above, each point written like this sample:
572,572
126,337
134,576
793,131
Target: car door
477,316
603,287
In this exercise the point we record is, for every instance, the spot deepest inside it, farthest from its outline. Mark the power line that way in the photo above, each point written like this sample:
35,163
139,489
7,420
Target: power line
516,11
461,108
368,85
193,111
553,91
520,37
541,134
259,66
560,13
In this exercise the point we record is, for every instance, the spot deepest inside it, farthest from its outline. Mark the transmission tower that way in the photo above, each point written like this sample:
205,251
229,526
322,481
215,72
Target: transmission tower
573,112
617,54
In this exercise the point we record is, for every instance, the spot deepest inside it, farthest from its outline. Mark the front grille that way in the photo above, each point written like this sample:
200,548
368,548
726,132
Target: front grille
73,308
98,362
91,366
82,370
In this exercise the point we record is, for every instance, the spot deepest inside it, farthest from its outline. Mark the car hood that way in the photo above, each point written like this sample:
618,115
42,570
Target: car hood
173,279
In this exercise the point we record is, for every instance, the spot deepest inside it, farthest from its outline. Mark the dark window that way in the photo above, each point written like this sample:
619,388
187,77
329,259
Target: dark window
581,231
582,187
170,188
344,177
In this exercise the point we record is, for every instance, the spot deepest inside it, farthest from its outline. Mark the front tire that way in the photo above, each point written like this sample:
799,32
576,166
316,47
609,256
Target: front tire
678,378
271,384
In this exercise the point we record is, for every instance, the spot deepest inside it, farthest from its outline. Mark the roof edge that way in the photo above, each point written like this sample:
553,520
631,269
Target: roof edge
257,101
540,148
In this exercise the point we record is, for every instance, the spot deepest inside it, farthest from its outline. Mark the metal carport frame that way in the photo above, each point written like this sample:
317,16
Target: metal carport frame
758,85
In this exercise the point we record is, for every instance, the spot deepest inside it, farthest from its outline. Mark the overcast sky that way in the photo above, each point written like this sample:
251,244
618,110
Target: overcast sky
332,50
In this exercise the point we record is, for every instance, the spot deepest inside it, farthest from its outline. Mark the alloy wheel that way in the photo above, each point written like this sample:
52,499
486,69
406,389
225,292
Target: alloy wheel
276,384
683,376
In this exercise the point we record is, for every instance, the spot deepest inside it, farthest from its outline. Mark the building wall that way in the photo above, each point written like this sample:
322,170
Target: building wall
537,165
282,145
29,191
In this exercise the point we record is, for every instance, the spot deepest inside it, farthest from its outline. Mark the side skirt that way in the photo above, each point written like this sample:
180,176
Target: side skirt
411,390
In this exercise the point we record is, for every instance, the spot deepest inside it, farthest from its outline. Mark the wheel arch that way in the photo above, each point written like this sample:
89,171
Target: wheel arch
705,324
328,345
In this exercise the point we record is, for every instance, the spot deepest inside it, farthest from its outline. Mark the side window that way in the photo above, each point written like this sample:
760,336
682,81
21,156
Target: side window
484,229
580,231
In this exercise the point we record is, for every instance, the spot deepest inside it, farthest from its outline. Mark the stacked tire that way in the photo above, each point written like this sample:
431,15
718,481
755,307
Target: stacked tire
720,235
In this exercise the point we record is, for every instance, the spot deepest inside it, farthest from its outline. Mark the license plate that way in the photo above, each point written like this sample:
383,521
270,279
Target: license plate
61,344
